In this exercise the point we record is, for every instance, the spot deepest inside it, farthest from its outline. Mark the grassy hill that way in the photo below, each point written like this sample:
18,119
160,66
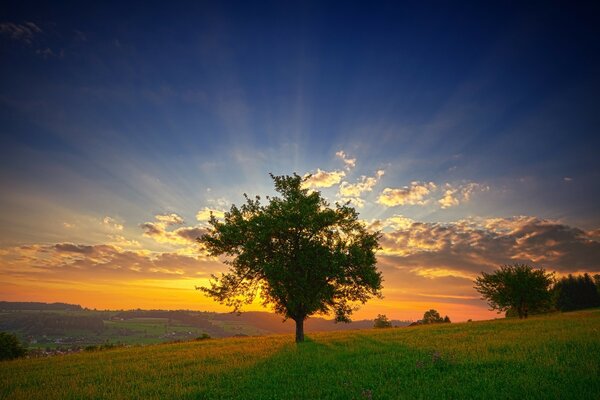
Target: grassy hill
545,357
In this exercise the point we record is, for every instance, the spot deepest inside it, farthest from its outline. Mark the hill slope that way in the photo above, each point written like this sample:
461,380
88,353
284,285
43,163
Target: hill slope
545,357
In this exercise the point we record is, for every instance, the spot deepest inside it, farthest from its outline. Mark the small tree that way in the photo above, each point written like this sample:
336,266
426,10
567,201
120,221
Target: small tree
519,287
301,256
446,320
382,322
432,317
10,347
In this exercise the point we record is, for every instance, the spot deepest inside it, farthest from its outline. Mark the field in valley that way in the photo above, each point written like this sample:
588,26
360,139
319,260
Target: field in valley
545,357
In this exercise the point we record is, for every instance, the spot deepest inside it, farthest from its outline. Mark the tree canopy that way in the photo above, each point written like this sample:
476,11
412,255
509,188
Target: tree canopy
517,287
576,292
10,347
296,253
382,321
434,317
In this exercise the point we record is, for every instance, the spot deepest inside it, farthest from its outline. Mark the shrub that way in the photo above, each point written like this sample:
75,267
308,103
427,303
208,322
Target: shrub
10,347
382,322
204,336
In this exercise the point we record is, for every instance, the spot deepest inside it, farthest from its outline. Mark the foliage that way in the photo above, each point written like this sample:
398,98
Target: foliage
517,286
547,357
10,347
296,253
382,321
576,293
433,317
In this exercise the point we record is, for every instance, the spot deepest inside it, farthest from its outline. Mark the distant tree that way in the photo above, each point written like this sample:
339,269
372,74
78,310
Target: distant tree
432,317
576,293
447,320
519,287
300,255
10,347
382,322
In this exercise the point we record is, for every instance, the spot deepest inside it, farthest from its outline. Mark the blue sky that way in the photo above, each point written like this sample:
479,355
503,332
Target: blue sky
131,111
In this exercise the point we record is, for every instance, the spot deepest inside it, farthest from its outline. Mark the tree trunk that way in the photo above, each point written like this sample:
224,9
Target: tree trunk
299,330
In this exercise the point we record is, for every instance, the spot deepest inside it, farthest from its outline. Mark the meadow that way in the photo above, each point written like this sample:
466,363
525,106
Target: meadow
544,357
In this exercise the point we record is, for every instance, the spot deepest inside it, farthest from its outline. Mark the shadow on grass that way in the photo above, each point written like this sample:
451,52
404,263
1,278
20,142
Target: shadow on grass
363,366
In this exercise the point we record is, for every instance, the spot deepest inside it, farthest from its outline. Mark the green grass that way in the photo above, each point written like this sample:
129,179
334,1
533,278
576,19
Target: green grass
545,357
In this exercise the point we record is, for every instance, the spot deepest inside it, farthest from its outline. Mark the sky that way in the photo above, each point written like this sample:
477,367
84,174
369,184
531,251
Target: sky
467,133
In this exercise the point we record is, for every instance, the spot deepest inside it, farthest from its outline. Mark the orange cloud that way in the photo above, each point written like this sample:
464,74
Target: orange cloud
183,236
204,214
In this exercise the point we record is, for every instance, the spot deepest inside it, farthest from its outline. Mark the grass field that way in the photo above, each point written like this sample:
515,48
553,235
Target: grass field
546,357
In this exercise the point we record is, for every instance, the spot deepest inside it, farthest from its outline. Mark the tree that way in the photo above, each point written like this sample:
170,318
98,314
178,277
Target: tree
519,287
382,322
10,347
575,293
446,320
296,253
432,317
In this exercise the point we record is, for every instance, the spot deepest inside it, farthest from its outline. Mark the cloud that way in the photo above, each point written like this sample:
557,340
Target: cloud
122,242
409,195
21,32
48,52
352,191
204,214
467,247
169,219
323,179
364,184
349,163
111,223
159,230
449,199
73,262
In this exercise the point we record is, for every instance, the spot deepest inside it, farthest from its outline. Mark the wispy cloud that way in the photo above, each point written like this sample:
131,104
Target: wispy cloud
158,230
352,191
204,214
112,224
24,32
415,194
455,195
324,179
349,163
70,261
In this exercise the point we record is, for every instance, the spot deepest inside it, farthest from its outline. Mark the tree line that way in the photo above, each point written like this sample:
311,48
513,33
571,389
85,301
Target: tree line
521,290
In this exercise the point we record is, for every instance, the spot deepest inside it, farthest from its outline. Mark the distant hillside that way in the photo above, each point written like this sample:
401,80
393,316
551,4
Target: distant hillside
68,326
11,305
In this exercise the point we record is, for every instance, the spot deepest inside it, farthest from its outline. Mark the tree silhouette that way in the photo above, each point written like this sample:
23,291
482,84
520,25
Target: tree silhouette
382,321
433,317
10,347
518,287
576,292
296,253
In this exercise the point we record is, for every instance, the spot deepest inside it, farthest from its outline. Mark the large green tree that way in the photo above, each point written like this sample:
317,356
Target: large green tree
517,287
302,256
